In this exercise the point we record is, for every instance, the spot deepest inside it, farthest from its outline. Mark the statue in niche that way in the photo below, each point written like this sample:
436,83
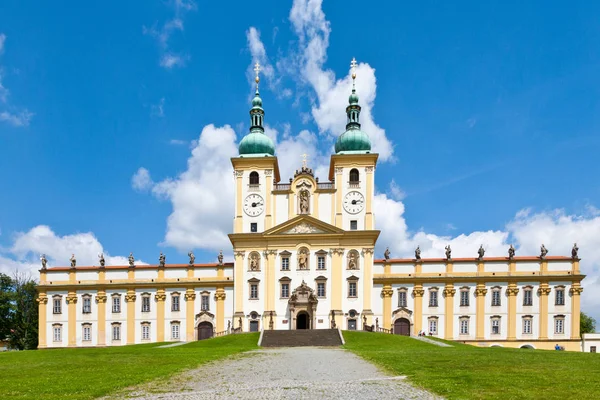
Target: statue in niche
304,196
448,252
131,260
511,252
73,261
43,260
254,263
271,320
162,259
418,253
543,251
352,260
220,257
386,255
303,259
101,259
575,252
481,252
192,257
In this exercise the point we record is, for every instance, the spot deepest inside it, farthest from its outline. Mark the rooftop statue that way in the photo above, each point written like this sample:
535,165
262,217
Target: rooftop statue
511,252
543,251
418,253
448,253
101,259
220,257
481,252
575,251
43,260
73,261
131,260
162,259
192,258
387,253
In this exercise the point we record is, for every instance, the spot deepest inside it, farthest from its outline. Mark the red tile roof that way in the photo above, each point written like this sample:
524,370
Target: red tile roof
474,259
145,266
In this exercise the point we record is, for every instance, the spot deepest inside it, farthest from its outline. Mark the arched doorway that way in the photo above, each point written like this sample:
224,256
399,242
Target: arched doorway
205,330
402,327
302,320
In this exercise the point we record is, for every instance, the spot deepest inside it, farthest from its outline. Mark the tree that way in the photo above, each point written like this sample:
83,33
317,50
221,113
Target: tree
6,306
587,324
24,335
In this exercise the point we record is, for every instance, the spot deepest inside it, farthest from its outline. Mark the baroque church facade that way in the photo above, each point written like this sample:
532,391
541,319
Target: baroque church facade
304,259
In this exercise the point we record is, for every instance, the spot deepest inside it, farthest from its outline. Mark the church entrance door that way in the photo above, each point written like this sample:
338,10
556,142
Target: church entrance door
253,326
302,320
205,330
402,327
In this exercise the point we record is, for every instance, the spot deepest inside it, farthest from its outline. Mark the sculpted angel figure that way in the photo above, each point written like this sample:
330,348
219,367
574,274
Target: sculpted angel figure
387,253
254,263
43,260
304,202
73,261
101,259
418,253
131,260
162,259
220,257
448,252
511,252
192,257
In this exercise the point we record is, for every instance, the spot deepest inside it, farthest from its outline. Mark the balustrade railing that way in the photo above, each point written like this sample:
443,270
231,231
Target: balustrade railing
282,186
325,185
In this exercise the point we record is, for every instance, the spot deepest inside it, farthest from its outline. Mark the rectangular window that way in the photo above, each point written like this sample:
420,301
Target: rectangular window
353,225
433,298
253,227
87,305
57,306
464,326
254,291
528,297
321,262
116,332
496,298
592,349
87,333
116,304
175,303
174,331
285,290
433,326
146,332
402,299
57,330
351,289
285,264
205,305
146,304
527,326
320,289
559,326
560,297
464,298
495,326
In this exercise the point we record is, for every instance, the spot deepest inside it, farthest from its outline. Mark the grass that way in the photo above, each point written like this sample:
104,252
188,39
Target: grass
468,372
94,372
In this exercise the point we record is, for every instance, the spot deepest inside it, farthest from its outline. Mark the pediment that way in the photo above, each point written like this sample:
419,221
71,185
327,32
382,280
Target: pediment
303,225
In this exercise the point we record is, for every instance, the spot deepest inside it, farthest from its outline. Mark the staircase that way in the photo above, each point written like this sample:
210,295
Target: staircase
301,337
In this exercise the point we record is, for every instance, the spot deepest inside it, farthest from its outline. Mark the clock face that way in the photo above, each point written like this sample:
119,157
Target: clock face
354,202
254,205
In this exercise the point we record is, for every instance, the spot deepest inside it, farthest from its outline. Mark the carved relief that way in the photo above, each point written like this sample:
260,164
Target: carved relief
220,295
338,250
268,172
544,291
387,292
303,258
369,169
238,174
101,298
160,296
71,299
303,228
240,253
418,292
480,292
254,261
512,291
353,259
190,296
449,292
339,170
130,298
368,250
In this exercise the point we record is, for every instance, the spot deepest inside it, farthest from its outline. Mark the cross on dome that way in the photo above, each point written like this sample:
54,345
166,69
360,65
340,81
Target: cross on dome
304,162
353,67
257,70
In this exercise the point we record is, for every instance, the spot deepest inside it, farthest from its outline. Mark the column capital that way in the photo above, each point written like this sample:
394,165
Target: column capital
240,253
575,290
160,296
42,299
544,291
190,295
387,292
449,292
71,298
130,297
480,291
512,291
220,295
101,298
338,250
418,292
368,250
238,174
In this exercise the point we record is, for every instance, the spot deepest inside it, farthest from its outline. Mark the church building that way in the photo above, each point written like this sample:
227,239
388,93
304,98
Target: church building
304,259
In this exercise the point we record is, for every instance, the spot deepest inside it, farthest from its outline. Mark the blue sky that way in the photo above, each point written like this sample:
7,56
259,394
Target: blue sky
488,115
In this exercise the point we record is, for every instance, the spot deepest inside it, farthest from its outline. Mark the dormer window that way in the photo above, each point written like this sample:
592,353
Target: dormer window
254,180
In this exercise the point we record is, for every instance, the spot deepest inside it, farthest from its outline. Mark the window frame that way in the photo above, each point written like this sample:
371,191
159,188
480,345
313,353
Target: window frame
86,304
57,328
403,295
528,295
321,256
175,324
561,290
465,297
433,297
559,320
86,329
284,290
117,297
146,334
321,281
495,322
175,302
205,301
57,300
116,327
354,176
254,178
253,227
496,296
463,322
527,322
353,224
435,321
253,283
146,297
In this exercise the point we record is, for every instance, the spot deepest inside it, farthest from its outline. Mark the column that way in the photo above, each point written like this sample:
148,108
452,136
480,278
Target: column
42,318
543,291
418,293
72,318
220,299
237,226
101,301
369,206
190,297
512,293
130,300
272,292
339,185
337,281
480,292
160,297
268,199
239,285
449,293
368,283
386,294
315,208
575,293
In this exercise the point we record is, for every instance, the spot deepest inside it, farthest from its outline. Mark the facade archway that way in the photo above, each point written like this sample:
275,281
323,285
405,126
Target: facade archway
302,320
402,327
205,330
303,307
527,346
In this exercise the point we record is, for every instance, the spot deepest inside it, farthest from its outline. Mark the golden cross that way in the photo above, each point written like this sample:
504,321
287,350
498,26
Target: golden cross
304,157
257,70
353,67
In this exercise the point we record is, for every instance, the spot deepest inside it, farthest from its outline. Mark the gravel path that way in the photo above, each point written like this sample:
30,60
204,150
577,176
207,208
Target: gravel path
286,373
426,339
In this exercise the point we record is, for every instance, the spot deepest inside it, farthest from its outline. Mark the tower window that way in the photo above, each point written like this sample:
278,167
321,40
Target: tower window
354,176
254,178
253,227
353,225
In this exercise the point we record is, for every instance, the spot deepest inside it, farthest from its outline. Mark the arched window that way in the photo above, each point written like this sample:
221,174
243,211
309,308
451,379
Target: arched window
354,175
254,178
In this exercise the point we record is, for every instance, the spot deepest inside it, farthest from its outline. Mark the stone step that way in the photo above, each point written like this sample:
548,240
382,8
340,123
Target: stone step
301,337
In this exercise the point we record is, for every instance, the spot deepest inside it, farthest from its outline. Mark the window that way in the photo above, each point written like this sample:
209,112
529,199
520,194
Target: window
175,304
464,325
560,297
320,262
527,323
254,291
285,290
146,302
254,180
433,297
285,263
116,331
433,325
354,176
528,296
116,303
175,330
253,227
320,289
496,297
353,225
464,297
402,297
145,330
87,332
352,289
592,349
57,332
205,302
57,306
495,325
559,324
87,304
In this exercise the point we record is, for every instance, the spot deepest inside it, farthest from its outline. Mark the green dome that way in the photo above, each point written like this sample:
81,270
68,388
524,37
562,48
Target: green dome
353,140
256,101
353,99
256,143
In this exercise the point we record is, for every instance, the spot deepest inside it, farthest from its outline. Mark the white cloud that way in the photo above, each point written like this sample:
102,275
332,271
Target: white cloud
178,142
158,109
141,180
18,119
2,40
170,60
395,191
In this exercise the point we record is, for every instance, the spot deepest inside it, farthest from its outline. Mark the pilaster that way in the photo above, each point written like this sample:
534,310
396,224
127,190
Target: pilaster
418,293
190,297
337,280
130,298
369,207
386,294
512,291
575,293
543,293
238,223
72,318
160,297
449,293
339,186
480,292
271,292
291,202
268,199
239,282
101,301
42,318
368,283
220,296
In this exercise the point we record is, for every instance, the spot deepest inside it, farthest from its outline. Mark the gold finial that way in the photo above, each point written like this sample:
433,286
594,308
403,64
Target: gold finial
257,70
304,162
353,68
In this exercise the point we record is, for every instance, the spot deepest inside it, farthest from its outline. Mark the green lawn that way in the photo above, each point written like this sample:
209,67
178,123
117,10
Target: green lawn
90,373
468,372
